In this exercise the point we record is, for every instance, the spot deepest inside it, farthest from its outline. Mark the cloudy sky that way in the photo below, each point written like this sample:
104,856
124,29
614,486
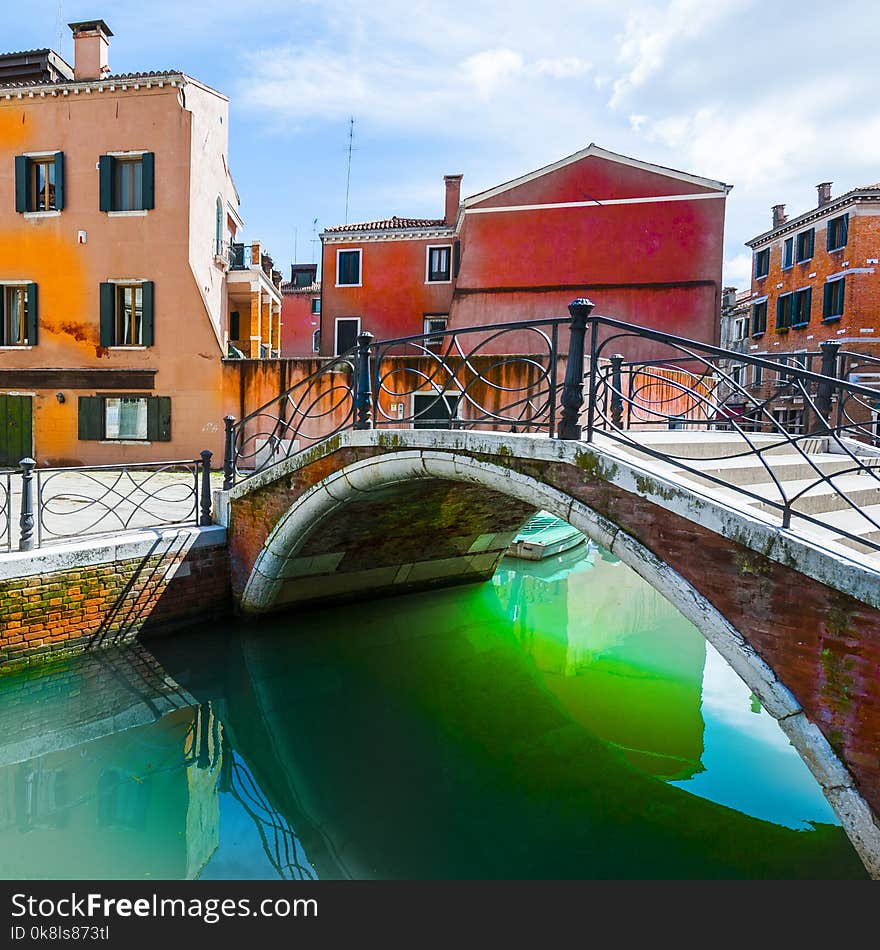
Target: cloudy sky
738,90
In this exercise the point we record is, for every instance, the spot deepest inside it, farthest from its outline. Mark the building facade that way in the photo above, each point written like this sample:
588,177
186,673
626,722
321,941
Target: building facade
301,311
118,268
642,241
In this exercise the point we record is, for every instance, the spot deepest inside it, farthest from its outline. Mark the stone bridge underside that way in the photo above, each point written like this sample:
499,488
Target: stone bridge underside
369,513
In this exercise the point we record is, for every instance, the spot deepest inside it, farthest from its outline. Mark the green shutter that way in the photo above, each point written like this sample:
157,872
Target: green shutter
91,410
105,164
159,419
22,167
108,312
30,315
147,324
844,230
811,243
808,304
148,181
826,302
59,181
2,321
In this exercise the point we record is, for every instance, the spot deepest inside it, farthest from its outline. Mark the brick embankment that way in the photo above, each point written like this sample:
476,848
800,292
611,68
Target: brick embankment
106,592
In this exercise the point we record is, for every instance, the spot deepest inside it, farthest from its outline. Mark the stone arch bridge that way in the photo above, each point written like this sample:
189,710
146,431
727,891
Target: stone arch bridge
389,512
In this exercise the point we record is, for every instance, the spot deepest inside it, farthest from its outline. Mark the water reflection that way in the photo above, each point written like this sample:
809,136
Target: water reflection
560,721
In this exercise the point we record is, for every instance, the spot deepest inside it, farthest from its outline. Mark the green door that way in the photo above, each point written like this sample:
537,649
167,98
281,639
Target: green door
16,429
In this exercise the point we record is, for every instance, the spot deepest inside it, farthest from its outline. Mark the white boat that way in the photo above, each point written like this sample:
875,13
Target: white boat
543,536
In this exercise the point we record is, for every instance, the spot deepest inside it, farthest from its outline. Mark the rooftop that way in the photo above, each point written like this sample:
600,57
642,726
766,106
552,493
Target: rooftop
389,224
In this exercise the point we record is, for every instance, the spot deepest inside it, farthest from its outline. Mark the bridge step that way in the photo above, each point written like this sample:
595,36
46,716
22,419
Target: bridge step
719,445
860,489
855,522
751,471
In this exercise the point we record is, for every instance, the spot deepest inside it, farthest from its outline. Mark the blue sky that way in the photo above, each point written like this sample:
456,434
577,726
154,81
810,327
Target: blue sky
738,90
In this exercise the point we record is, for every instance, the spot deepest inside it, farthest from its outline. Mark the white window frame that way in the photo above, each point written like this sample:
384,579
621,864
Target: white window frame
317,300
336,330
436,247
316,340
351,250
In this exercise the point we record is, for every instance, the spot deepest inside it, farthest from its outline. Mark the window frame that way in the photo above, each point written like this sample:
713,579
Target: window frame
351,250
788,247
784,327
762,256
802,293
316,340
316,310
35,162
448,271
811,233
828,297
763,328
844,227
336,332
136,196
130,397
8,290
120,289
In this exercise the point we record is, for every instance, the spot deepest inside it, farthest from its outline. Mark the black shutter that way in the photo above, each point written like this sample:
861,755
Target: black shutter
91,422
105,164
147,318
234,322
22,191
148,180
456,258
108,313
31,319
159,419
811,243
59,181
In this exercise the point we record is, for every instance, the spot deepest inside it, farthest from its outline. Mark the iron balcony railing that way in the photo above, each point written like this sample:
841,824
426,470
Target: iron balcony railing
59,504
515,377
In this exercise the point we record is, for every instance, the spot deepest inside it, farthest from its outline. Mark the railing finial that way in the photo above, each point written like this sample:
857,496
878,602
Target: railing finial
363,405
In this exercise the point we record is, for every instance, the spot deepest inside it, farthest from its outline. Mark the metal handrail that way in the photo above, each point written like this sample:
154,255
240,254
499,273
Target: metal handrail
5,510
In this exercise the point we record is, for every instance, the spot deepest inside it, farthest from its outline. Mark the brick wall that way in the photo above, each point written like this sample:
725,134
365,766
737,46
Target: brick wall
82,606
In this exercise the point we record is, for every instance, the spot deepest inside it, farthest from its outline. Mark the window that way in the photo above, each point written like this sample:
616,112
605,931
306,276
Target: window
234,325
439,264
316,341
740,329
783,312
837,232
757,374
348,268
762,263
804,248
434,410
316,305
347,330
832,305
39,183
789,420
737,375
759,318
18,315
127,314
800,307
125,417
127,182
788,253
435,323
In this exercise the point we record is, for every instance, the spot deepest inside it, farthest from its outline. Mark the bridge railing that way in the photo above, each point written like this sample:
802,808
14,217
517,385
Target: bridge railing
802,407
5,510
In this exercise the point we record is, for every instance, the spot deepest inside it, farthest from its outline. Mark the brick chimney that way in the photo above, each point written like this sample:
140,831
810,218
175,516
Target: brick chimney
824,189
779,216
453,197
91,40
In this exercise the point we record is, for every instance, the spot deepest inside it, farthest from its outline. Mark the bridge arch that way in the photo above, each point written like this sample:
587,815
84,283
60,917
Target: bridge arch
285,556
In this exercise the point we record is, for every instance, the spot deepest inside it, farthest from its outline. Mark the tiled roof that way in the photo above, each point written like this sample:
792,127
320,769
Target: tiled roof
389,224
114,77
289,287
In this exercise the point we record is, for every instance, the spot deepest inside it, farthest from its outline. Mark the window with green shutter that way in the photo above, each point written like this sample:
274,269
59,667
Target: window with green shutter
126,313
832,304
125,418
804,245
39,183
127,182
800,307
19,319
837,232
783,312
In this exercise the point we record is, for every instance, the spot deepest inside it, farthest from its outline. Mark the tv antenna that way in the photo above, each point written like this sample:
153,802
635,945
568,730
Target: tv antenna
348,176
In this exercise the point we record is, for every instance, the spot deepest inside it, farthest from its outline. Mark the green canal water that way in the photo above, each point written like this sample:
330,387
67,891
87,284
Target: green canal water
560,721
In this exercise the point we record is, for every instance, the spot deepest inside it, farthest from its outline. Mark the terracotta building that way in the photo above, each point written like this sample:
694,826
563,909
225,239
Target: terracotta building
301,311
122,277
642,241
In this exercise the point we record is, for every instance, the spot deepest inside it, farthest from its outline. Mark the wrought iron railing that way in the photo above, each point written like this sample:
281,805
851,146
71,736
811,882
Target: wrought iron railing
58,504
807,408
447,379
804,430
5,510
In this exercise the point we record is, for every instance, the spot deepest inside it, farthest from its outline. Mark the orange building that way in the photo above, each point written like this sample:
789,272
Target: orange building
123,280
301,311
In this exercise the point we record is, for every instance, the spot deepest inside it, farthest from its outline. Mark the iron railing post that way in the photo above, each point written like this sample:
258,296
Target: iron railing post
229,453
205,495
573,385
363,405
554,375
26,521
826,388
616,390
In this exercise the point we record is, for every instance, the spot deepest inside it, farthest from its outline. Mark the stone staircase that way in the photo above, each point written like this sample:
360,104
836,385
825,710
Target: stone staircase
840,494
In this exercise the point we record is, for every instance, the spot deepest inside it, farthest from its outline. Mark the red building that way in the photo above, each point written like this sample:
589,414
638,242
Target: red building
301,311
642,241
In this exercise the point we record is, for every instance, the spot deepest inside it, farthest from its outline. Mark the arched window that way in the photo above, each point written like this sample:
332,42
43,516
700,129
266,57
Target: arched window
218,228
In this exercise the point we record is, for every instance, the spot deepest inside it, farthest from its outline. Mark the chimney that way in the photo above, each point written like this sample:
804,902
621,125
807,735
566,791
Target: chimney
453,197
779,216
91,40
824,189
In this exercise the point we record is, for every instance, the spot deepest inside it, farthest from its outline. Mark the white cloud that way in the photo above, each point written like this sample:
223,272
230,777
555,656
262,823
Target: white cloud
738,271
490,69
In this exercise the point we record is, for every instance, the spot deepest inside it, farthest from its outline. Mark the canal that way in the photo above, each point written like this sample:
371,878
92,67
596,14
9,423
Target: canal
560,721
